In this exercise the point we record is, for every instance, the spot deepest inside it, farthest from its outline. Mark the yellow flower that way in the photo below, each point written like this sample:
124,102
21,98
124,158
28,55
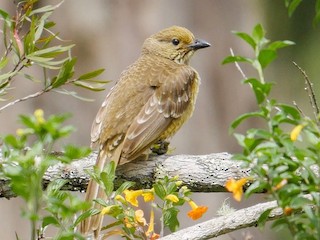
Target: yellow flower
179,183
127,223
296,132
151,223
119,198
20,132
39,116
131,196
138,216
280,184
148,196
236,187
172,198
197,211
106,210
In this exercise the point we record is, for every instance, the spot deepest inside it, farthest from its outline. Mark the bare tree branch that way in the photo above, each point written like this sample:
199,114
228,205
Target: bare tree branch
239,219
243,218
201,173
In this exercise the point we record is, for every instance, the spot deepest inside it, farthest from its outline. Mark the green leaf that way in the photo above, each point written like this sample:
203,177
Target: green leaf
256,187
47,8
51,52
29,42
110,169
159,190
85,215
243,117
260,89
5,77
232,59
316,19
258,33
49,24
170,219
290,111
292,6
12,141
49,220
246,37
40,26
71,152
66,72
299,202
108,182
280,224
264,218
3,62
92,74
93,87
266,56
4,15
280,44
124,186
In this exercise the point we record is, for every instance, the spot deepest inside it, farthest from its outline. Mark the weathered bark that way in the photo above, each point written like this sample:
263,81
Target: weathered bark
201,173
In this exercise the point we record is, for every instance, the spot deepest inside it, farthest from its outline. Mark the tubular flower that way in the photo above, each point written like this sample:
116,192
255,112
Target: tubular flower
119,198
131,196
296,132
106,210
172,198
280,184
151,223
148,196
150,230
197,211
235,186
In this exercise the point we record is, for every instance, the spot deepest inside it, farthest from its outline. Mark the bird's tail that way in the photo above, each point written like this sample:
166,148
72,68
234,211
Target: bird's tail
94,191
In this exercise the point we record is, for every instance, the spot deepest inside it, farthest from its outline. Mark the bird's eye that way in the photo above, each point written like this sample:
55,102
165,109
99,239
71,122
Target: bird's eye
175,41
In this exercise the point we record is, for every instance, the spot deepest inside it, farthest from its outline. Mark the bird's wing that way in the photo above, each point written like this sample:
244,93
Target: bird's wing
98,123
171,97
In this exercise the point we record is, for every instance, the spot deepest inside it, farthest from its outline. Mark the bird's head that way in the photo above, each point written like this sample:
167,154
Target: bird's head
175,43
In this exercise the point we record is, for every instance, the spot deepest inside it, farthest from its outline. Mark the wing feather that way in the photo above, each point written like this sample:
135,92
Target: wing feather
168,102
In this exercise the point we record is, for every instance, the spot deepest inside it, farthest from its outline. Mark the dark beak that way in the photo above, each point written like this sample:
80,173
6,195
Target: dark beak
198,43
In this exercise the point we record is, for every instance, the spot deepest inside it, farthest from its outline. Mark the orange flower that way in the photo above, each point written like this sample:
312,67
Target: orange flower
287,211
236,187
155,236
296,132
172,198
197,211
131,196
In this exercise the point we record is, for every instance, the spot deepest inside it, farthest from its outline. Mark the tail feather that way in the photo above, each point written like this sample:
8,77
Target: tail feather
92,193
94,223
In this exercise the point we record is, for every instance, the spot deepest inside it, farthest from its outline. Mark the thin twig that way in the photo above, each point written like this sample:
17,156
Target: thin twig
311,94
37,94
237,65
298,108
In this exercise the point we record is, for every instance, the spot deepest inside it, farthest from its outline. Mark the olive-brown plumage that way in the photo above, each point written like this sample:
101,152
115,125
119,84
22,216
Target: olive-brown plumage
150,102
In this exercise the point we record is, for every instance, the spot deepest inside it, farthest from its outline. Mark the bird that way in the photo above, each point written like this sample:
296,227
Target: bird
153,98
